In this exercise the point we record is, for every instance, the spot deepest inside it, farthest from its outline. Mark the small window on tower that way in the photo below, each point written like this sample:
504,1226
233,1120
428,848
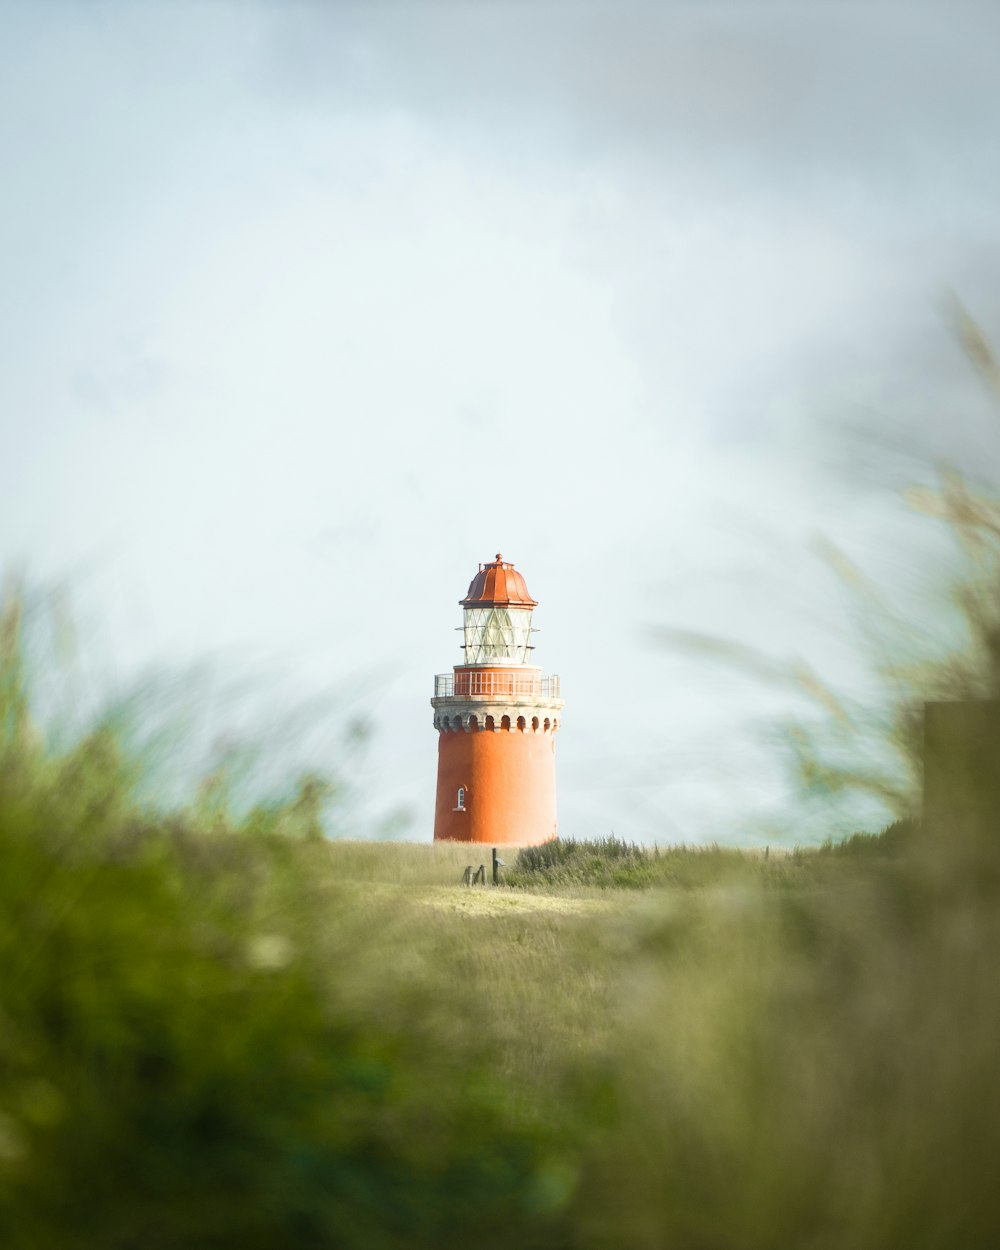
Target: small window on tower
460,799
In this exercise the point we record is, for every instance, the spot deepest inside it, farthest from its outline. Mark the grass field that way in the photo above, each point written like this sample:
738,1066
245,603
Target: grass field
242,1039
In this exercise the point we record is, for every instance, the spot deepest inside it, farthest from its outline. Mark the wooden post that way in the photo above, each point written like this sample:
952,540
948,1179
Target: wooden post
962,770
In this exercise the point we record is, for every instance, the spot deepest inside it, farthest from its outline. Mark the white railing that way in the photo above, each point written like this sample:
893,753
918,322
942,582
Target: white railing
473,684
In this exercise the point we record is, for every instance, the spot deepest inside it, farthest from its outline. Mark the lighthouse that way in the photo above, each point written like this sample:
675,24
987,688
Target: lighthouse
496,717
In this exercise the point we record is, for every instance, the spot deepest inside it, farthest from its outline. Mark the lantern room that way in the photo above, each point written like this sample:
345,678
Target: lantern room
497,618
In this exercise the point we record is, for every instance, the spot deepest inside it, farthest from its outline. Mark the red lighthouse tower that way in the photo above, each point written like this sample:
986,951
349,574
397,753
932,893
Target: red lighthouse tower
496,717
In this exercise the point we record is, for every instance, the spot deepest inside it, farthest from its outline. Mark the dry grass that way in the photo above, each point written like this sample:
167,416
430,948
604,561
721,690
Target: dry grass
402,863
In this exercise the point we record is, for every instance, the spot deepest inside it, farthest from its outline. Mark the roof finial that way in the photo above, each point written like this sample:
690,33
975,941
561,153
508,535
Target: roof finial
499,558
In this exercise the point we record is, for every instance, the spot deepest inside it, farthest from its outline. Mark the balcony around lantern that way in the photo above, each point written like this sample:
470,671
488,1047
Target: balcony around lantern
493,684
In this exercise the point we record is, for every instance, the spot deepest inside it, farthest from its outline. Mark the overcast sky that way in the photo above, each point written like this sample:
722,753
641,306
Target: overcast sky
308,308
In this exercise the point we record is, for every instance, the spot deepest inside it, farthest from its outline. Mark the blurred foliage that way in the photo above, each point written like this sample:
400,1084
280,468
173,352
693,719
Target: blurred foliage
865,754
879,749
223,1032
219,1030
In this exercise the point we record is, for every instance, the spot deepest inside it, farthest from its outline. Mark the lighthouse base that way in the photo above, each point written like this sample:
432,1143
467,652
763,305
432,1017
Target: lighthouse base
496,787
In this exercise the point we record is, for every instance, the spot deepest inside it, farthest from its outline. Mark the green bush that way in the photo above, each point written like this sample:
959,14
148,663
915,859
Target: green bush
604,862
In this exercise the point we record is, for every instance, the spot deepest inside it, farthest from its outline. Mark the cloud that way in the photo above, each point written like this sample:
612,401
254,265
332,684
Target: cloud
885,94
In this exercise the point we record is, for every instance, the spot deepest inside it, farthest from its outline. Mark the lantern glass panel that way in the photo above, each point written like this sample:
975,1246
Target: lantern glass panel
497,635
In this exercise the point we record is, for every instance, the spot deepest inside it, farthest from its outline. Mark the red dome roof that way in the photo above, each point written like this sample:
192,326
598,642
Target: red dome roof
498,585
